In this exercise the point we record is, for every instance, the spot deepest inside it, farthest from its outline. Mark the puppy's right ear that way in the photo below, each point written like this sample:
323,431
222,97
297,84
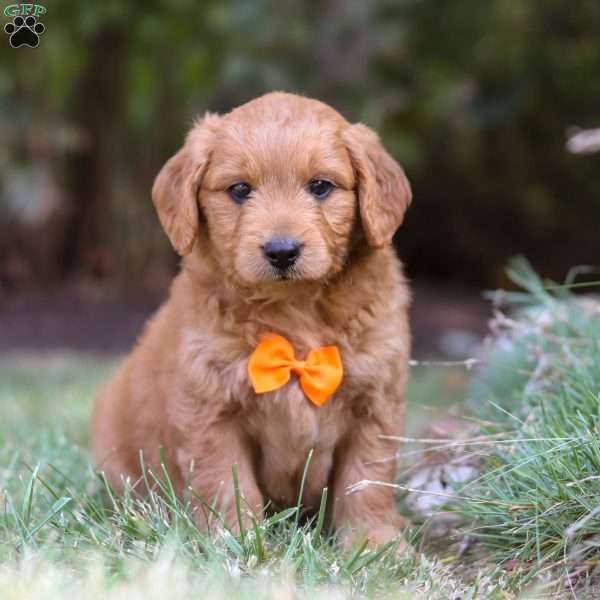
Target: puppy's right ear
175,190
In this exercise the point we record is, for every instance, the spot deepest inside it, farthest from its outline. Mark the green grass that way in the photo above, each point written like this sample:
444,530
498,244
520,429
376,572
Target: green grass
530,518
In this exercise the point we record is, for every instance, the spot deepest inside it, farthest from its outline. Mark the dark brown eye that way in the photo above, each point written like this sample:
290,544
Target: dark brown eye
320,188
239,192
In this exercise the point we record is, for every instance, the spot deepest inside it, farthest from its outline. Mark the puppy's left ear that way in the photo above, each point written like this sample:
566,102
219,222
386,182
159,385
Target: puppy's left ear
383,190
175,190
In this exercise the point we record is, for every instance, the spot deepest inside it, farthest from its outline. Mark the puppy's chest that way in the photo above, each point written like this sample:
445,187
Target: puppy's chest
290,412
219,369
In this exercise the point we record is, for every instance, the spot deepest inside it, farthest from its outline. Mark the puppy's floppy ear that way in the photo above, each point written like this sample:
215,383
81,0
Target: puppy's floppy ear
176,187
383,190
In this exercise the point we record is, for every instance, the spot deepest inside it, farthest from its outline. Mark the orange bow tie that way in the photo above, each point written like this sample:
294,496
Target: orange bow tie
272,362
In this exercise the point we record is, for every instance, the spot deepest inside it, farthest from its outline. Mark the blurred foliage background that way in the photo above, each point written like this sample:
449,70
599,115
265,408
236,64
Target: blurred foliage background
474,98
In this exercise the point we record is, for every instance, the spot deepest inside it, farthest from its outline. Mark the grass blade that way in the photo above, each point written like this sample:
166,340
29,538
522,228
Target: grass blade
238,502
302,482
321,516
54,510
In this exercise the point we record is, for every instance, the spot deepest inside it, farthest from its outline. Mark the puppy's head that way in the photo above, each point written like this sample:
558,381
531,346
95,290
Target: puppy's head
280,183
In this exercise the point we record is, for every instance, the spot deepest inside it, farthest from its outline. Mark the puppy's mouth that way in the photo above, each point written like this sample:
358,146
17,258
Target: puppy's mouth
288,274
282,268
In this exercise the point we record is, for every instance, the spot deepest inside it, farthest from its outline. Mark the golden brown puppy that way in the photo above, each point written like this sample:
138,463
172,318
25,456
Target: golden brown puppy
284,213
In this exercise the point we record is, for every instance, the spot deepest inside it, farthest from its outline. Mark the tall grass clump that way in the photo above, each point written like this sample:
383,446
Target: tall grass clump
537,499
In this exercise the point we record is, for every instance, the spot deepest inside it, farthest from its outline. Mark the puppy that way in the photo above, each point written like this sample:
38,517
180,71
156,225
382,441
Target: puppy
285,331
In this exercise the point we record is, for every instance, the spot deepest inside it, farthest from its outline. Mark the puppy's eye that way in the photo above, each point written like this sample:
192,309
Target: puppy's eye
239,192
320,188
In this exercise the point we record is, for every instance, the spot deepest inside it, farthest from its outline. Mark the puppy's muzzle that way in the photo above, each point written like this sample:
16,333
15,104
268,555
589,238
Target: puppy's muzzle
282,253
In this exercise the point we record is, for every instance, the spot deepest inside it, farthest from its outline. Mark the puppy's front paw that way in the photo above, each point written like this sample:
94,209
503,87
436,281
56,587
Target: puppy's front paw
375,536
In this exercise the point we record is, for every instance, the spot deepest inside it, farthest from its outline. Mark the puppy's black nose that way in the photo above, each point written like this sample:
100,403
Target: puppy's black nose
282,253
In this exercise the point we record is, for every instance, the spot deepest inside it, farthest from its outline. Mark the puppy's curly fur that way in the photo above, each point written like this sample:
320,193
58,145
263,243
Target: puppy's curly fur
185,386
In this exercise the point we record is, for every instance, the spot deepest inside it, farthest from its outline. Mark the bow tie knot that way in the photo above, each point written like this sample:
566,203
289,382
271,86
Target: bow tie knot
272,362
